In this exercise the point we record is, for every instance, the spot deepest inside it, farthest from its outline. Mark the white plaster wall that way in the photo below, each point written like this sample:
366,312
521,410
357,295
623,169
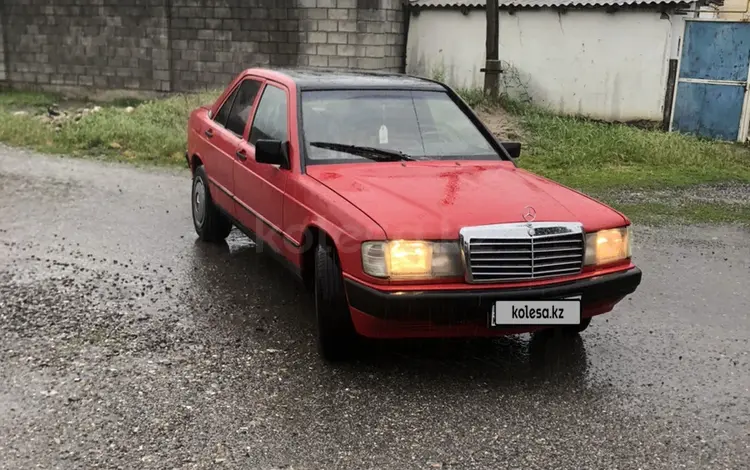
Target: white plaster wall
735,10
447,42
586,61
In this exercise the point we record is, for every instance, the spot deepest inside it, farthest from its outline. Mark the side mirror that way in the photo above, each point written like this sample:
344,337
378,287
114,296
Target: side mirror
513,149
272,152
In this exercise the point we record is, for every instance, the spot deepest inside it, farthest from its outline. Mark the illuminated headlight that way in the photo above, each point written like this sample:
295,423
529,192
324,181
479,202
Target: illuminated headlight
608,246
411,259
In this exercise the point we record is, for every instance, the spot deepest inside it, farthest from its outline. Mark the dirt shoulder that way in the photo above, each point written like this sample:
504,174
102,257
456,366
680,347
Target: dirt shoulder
501,123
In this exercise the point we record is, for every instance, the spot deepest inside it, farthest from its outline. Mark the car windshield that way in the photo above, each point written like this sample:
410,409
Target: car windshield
346,125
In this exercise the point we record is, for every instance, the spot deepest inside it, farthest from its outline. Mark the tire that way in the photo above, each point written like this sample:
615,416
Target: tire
336,335
573,330
210,224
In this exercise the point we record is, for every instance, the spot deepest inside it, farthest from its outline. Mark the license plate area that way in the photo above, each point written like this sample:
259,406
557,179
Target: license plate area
547,312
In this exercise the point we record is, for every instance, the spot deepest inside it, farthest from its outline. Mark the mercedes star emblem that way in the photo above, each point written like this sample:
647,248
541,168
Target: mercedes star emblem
529,214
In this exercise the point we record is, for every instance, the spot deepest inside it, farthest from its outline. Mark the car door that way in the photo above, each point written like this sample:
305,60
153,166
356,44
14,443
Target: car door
260,187
225,136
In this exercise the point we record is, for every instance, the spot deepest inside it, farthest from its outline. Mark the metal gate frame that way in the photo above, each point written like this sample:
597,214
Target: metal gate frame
742,132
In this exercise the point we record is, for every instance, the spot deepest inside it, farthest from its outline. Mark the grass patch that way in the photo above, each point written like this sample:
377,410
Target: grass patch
594,156
477,98
24,99
154,132
125,102
654,213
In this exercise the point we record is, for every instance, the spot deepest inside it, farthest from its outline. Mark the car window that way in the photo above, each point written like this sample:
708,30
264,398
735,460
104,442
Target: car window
223,114
426,125
242,106
271,118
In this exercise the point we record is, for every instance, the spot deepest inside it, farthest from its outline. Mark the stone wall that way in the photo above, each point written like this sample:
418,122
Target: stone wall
182,45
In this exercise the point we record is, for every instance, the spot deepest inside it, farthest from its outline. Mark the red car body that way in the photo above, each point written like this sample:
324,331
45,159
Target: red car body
290,208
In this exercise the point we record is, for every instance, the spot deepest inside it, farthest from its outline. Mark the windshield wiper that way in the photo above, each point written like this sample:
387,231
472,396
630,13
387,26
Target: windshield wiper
372,153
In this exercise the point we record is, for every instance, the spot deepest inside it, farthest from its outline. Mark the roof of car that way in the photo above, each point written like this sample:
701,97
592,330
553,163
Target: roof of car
321,79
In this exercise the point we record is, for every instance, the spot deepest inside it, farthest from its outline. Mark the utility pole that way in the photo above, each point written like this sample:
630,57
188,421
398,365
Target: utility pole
492,66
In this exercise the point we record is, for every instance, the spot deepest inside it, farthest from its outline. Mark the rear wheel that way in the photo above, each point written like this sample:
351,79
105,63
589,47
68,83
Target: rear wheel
573,330
336,335
210,224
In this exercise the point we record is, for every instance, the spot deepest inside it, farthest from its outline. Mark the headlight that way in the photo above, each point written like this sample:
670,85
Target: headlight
608,246
411,259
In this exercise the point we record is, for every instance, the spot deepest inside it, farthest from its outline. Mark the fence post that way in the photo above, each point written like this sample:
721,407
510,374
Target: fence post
492,66
669,95
4,22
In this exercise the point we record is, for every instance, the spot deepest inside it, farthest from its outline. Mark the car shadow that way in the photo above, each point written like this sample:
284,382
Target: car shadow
256,303
541,357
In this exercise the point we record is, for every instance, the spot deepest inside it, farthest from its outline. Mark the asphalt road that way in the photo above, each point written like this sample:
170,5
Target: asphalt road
124,343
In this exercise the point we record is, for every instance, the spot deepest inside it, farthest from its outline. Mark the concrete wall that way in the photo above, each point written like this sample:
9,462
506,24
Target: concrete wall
179,45
585,61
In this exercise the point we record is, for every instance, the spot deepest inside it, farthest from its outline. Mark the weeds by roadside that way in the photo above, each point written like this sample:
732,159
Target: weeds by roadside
24,99
656,213
152,132
595,156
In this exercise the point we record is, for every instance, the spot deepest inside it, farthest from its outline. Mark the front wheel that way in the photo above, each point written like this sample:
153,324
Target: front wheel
336,334
210,224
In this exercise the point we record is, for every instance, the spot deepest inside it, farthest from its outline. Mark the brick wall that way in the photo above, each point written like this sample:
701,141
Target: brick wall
181,45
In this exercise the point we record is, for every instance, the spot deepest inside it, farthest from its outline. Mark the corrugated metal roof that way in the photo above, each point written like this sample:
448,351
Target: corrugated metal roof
445,3
539,3
587,3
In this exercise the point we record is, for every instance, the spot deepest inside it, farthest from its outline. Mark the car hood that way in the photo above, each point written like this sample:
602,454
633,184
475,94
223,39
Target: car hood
434,200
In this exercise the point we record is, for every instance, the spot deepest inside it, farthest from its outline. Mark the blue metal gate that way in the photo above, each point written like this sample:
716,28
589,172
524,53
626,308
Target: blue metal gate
710,97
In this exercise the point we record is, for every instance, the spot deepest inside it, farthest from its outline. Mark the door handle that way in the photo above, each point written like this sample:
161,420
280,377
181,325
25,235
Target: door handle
209,133
241,155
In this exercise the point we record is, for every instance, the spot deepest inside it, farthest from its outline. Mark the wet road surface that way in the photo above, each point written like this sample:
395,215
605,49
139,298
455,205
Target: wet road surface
124,343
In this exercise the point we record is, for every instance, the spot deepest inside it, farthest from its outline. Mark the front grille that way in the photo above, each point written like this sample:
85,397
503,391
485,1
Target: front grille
516,252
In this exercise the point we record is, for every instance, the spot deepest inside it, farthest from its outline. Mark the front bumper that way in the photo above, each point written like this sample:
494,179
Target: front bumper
435,309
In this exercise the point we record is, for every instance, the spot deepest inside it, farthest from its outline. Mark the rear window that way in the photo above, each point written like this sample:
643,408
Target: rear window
426,125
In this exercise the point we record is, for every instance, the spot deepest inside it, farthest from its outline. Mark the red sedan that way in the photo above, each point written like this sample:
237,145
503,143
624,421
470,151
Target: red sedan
399,209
